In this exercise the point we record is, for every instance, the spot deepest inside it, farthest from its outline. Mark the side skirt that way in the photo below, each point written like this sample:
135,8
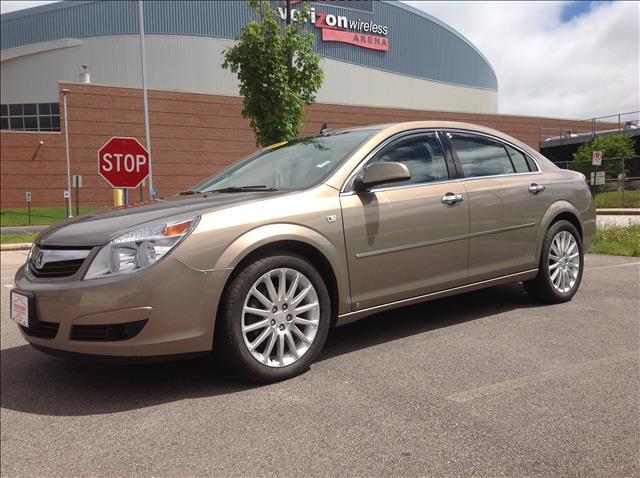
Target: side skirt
359,314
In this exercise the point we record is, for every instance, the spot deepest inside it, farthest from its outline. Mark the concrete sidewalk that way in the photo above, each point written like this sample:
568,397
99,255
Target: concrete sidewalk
609,221
618,211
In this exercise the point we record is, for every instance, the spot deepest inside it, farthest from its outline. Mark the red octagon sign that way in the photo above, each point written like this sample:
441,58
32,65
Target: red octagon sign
123,162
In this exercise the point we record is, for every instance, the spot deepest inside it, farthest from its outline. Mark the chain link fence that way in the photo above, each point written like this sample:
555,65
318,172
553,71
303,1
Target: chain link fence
614,184
575,131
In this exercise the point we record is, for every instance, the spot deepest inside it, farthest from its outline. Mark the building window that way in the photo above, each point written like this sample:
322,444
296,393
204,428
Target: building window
30,117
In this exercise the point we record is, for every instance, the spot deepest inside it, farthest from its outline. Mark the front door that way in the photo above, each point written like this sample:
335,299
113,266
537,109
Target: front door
408,238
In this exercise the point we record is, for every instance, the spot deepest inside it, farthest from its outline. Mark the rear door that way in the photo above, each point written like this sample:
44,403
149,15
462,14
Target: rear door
402,240
507,201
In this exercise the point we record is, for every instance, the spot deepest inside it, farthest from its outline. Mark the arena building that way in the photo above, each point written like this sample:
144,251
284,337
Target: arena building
375,53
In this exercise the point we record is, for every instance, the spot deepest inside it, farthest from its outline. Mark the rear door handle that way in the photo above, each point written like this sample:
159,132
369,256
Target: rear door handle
536,188
450,199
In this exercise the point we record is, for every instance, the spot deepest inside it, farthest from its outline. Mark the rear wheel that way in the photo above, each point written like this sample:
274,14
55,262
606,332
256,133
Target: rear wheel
561,265
275,318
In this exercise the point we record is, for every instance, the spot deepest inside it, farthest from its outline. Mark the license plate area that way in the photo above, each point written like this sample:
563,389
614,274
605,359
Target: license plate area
22,308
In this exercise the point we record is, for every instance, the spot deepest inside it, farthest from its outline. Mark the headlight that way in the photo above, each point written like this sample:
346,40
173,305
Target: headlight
139,248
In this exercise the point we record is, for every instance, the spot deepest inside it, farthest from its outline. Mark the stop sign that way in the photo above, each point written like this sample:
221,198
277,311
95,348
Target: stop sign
123,162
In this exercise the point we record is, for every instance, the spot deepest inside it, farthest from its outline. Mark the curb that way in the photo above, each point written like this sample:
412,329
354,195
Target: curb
618,212
20,246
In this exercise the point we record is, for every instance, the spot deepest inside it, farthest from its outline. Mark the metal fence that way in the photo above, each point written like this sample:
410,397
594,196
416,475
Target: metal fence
614,184
569,131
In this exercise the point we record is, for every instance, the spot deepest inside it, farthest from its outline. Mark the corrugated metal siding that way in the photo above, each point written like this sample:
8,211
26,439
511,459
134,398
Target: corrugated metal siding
419,46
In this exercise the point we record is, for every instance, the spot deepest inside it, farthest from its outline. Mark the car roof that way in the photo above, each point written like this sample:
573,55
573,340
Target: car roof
393,128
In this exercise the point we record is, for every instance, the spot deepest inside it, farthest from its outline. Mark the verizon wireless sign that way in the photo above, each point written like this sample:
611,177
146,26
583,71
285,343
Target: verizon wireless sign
340,28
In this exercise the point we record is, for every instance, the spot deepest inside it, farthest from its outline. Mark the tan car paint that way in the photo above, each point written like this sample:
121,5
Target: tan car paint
504,219
403,242
171,295
225,237
402,246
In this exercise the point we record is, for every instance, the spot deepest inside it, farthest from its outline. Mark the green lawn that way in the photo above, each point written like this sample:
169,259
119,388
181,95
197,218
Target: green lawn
16,238
618,241
40,216
614,199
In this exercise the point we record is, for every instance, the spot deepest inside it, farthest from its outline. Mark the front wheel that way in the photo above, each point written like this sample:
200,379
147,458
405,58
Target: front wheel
561,265
275,318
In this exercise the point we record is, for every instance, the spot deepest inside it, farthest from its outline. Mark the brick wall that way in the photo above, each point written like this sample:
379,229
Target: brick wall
192,136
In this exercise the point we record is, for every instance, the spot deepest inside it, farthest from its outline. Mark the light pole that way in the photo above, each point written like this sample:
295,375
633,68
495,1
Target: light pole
65,92
144,93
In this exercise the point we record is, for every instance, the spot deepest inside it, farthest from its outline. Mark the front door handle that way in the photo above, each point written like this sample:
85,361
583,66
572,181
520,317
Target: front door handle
536,188
450,199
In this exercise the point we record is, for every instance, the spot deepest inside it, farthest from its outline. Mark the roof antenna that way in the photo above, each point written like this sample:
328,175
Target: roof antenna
324,128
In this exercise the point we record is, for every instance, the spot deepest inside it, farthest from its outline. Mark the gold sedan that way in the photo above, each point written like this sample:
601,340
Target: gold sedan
258,261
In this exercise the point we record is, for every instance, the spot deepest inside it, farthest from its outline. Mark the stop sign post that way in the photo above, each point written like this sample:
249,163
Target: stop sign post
123,162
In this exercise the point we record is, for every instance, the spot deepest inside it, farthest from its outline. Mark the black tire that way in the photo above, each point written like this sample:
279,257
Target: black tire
229,341
541,288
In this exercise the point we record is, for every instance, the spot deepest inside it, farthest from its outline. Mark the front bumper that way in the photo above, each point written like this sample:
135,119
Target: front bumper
176,303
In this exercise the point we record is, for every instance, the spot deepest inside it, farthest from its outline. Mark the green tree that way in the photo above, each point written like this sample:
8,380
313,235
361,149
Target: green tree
619,146
279,73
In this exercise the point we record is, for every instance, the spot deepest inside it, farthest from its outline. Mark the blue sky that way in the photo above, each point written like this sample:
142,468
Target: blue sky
574,9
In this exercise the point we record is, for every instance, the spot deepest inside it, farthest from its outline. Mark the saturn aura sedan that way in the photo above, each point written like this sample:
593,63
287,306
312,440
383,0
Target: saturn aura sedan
257,262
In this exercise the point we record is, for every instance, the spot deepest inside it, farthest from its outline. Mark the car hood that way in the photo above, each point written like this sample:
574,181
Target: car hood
99,228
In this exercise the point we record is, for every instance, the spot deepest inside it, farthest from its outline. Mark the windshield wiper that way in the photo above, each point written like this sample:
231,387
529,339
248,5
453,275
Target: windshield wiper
242,189
189,192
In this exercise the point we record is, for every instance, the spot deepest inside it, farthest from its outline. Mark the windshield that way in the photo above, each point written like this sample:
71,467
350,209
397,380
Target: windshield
296,165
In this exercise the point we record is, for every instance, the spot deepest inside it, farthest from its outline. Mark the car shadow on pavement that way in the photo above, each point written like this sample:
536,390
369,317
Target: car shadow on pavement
420,318
35,383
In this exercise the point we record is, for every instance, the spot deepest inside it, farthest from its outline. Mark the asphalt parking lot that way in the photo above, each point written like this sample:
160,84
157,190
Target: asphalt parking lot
486,383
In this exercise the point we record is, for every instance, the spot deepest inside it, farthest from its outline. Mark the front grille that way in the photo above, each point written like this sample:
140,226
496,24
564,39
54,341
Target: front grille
108,332
42,330
57,269
52,261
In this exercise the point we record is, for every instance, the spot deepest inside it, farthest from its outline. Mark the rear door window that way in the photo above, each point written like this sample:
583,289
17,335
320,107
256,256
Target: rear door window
480,156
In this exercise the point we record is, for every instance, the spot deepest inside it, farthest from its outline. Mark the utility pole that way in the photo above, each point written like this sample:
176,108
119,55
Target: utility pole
144,94
65,92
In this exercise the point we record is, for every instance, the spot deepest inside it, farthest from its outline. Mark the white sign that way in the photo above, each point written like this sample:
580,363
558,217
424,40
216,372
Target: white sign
600,178
77,181
20,309
27,195
67,195
596,159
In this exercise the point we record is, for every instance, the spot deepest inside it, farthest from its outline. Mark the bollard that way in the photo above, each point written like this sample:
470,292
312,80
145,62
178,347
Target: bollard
118,197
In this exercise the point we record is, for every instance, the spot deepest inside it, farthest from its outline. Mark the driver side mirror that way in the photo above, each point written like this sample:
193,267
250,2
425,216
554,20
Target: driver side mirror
381,173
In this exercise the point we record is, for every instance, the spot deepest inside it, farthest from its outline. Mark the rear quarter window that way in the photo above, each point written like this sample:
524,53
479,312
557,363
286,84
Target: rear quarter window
521,162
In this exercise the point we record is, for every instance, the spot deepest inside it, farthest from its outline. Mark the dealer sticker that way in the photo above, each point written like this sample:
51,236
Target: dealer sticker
20,308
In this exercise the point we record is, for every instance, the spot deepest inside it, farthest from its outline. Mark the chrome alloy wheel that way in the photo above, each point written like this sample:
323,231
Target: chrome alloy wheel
280,317
564,261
